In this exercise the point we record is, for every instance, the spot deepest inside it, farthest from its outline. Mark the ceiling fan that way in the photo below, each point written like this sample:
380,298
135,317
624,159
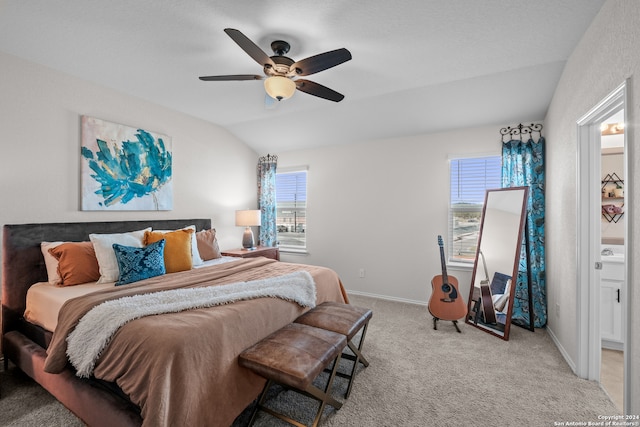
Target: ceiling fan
281,72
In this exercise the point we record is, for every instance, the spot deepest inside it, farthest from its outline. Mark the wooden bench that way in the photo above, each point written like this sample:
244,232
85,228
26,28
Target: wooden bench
293,357
344,319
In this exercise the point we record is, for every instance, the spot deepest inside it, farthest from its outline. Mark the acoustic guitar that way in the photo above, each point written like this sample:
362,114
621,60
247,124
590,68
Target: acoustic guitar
445,302
488,308
487,304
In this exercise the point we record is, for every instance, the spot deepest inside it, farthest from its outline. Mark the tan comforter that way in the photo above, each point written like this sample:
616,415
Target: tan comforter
181,368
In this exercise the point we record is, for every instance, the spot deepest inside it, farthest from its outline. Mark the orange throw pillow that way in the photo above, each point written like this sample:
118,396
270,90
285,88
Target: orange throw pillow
77,263
177,248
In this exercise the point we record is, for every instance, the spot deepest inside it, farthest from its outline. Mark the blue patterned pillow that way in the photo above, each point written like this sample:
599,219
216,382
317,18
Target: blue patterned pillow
139,263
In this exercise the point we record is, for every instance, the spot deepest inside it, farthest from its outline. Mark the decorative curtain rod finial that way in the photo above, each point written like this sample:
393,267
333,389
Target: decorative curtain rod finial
269,158
519,130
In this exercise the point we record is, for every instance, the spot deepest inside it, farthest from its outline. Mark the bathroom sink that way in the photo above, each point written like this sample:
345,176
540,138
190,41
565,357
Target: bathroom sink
612,253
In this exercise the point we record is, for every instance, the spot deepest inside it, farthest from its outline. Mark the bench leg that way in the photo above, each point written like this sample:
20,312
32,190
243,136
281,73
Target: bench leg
259,405
358,359
326,396
312,391
361,358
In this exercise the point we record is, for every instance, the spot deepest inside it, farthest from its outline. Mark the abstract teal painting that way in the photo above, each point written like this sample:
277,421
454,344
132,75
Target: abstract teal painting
125,168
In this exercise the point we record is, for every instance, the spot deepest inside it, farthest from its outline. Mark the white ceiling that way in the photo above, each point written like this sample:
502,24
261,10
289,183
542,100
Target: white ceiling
419,66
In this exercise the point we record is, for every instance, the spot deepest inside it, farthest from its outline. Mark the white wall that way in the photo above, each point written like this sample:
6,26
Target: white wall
40,110
380,205
606,56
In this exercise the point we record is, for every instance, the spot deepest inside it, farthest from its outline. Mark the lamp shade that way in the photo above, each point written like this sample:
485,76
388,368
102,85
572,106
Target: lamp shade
248,218
279,87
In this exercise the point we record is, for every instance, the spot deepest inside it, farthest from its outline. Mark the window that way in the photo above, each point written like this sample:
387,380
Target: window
291,215
469,179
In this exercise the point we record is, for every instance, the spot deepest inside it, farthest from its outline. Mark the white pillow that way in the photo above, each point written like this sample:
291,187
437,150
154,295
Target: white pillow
51,262
103,246
195,255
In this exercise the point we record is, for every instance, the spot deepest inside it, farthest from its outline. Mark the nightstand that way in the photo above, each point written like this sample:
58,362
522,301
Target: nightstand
265,251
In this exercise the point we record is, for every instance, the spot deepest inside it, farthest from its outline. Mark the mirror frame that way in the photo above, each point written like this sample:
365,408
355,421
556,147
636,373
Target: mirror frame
516,260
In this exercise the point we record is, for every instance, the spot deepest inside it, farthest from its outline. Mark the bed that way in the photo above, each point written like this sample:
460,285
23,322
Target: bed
164,369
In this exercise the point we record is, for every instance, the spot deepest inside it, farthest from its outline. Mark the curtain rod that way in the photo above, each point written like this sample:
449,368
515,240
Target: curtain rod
269,158
518,131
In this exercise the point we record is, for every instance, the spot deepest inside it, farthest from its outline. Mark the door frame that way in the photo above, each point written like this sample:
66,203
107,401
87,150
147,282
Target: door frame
589,238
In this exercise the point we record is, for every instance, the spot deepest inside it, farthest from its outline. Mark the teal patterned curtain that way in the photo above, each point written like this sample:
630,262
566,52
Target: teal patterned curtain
523,165
267,199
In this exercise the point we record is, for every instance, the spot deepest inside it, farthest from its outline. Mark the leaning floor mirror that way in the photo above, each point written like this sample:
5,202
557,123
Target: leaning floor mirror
497,259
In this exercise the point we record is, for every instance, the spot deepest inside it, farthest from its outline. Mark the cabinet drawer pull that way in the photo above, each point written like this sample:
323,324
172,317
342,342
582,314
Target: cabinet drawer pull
618,292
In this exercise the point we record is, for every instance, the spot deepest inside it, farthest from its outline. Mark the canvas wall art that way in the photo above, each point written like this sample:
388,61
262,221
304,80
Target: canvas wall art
125,168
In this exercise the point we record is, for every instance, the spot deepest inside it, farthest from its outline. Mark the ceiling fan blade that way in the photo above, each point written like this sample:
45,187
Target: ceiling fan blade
320,62
231,77
250,47
318,90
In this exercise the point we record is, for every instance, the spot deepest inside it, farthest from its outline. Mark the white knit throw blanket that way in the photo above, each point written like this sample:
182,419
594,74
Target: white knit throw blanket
96,327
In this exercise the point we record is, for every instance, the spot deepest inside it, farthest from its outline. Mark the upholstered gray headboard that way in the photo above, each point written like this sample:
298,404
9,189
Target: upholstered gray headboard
23,263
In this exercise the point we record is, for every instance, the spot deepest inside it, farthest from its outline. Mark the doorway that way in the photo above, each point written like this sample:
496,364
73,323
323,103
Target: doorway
613,263
590,274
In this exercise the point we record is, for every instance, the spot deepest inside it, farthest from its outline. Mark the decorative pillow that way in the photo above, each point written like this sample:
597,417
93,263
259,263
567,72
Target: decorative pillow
136,264
500,302
208,244
51,262
103,246
77,263
194,244
177,250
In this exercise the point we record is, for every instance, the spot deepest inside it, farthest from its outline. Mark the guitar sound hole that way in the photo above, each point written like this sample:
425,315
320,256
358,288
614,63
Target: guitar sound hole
446,288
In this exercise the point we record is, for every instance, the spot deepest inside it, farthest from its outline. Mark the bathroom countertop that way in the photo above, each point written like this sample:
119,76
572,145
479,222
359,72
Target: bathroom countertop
612,253
617,258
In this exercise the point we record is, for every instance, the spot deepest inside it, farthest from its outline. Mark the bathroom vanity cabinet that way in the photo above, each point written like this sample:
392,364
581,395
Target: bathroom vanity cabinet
611,297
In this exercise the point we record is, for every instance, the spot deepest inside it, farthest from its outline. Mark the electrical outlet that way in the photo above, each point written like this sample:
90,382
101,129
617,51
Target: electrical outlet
361,273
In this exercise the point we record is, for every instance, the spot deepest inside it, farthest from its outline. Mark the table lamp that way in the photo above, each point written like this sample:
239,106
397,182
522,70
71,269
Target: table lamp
248,219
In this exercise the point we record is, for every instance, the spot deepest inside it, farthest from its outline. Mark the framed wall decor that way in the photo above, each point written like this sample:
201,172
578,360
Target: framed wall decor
124,168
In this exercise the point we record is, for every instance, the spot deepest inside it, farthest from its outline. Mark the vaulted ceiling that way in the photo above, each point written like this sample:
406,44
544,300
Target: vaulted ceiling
419,66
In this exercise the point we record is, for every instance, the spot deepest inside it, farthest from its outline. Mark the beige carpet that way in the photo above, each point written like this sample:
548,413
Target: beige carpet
418,377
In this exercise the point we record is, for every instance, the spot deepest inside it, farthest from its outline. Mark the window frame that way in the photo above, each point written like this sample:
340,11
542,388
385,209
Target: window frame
289,247
469,261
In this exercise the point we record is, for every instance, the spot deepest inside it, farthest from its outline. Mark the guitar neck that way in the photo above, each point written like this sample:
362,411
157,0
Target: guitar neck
445,278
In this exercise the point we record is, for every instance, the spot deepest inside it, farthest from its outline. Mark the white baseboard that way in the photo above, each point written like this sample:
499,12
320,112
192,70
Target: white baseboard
386,297
563,352
613,345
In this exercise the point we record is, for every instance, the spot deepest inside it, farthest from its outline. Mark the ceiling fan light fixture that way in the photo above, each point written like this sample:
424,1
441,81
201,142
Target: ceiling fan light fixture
279,87
281,70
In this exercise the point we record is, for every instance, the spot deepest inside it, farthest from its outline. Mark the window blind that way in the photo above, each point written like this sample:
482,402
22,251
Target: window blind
471,177
469,180
291,187
291,201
